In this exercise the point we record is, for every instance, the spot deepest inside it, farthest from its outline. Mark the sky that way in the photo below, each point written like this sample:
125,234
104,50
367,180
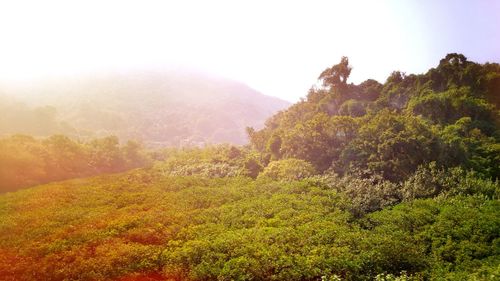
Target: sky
276,47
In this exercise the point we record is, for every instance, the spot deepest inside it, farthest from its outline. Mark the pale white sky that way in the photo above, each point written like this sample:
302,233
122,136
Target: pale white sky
276,47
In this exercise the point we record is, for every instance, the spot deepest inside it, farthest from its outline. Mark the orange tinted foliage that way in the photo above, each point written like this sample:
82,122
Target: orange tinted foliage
150,276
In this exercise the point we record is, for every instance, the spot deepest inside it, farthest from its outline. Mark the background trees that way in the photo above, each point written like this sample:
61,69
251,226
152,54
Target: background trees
26,161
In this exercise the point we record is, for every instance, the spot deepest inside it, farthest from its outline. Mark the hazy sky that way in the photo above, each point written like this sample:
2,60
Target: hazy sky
276,47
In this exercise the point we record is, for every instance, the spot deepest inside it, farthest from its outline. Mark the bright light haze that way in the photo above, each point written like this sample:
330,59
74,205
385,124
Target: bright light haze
276,47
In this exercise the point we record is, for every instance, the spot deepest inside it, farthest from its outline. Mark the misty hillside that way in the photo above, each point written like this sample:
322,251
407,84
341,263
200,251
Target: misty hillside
156,107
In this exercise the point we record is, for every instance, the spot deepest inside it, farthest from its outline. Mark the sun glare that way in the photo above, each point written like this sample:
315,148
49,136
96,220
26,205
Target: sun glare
273,46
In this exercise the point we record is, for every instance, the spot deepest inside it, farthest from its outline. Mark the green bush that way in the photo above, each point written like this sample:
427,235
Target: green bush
288,169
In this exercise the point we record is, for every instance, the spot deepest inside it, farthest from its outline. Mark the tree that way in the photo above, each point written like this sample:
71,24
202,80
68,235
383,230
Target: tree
134,155
453,59
391,145
65,157
319,140
369,90
274,146
105,155
336,75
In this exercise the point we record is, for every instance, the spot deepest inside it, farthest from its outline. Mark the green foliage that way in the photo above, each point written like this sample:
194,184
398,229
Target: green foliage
391,145
449,115
319,140
469,146
288,169
26,161
235,228
352,108
212,162
336,75
447,107
363,195
274,146
369,90
456,236
430,181
392,277
366,195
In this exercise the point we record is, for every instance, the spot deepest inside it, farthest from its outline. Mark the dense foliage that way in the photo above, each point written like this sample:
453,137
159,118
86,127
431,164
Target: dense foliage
145,223
288,169
449,115
26,161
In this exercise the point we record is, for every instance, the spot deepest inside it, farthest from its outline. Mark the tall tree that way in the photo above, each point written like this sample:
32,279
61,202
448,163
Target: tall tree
336,75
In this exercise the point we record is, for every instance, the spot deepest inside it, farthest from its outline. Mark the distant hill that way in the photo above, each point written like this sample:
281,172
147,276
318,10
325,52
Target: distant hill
174,108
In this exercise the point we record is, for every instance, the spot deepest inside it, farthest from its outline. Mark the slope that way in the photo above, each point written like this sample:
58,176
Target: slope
170,107
143,223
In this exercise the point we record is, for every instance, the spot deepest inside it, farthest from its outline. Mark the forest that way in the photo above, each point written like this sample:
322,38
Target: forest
159,108
393,181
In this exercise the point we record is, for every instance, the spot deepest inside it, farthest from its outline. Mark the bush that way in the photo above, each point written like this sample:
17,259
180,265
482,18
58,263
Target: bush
430,181
363,196
288,169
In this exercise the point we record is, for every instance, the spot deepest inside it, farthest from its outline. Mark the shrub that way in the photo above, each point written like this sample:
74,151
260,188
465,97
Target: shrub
288,169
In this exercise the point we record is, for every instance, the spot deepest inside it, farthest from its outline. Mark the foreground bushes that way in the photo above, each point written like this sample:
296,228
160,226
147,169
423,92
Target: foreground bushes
236,228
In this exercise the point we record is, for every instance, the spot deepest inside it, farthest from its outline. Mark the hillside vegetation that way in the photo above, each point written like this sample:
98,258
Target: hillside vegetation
449,115
26,161
393,181
143,223
159,108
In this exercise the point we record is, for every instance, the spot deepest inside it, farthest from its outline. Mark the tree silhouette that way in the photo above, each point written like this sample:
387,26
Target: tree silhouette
336,75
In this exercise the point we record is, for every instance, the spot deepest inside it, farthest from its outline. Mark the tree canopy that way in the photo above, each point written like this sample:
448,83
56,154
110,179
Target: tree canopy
391,129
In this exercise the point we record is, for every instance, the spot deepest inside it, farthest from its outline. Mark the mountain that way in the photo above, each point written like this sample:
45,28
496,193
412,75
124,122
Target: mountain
169,107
